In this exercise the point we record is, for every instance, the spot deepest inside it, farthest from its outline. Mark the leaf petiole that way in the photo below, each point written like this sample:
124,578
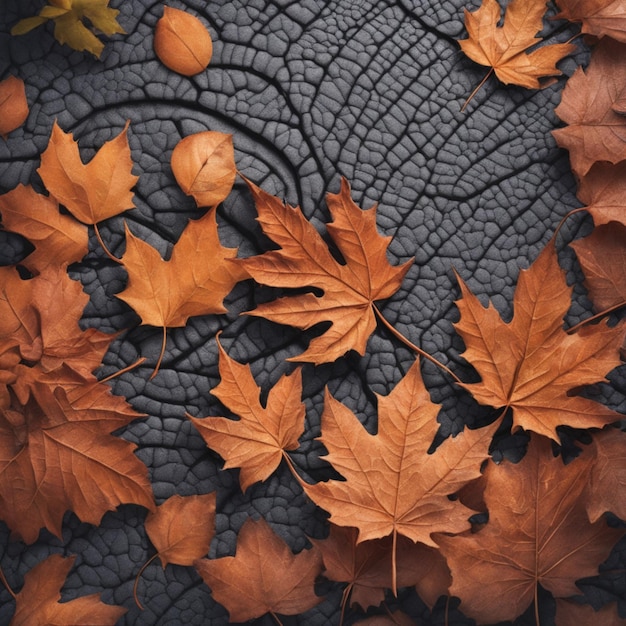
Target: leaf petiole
480,84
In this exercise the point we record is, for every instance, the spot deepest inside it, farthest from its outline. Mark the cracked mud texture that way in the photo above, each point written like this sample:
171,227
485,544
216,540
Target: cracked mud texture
311,91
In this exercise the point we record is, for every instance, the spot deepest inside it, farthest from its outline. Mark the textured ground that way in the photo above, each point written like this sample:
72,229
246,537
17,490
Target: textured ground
311,91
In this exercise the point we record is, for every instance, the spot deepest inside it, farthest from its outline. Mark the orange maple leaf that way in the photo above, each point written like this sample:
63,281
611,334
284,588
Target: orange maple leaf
95,191
392,485
531,364
194,281
504,48
37,604
58,239
602,18
304,260
258,441
264,576
538,533
603,190
595,132
13,105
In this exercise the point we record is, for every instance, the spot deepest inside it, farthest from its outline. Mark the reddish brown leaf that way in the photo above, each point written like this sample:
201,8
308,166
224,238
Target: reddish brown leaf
595,132
58,239
182,42
531,364
258,441
571,613
264,576
603,190
13,105
181,528
602,18
38,601
504,48
538,533
397,618
204,166
304,260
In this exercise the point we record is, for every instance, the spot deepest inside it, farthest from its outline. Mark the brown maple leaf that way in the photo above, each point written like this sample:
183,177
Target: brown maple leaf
264,576
531,364
259,440
194,281
572,613
13,105
603,190
595,132
407,493
182,42
58,239
204,166
304,260
504,48
601,18
538,533
95,191
69,26
37,604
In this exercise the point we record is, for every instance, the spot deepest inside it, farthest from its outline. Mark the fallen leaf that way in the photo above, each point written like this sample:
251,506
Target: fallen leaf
601,18
13,105
603,190
407,493
182,42
504,48
95,191
304,260
37,604
531,364
69,26
258,441
397,618
204,166
595,132
58,239
538,533
181,528
263,577
570,613
194,281
602,256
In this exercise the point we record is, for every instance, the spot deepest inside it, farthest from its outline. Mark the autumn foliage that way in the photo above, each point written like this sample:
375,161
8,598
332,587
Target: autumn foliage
404,508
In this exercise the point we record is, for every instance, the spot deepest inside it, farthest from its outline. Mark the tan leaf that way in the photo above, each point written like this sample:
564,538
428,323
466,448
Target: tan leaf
13,105
602,18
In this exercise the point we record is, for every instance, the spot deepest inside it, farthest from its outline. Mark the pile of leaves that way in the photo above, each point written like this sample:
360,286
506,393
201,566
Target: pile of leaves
406,509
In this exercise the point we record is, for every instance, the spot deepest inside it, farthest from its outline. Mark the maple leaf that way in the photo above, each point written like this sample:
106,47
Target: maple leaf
37,604
58,239
258,441
13,105
538,533
504,48
194,281
182,42
304,260
392,485
264,576
595,132
603,190
69,27
204,166
397,618
95,191
571,613
531,364
602,18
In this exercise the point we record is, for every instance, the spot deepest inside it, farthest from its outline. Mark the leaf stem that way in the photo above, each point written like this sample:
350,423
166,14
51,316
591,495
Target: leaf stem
5,582
537,604
398,335
128,368
565,218
480,84
394,563
276,618
139,573
104,247
595,317
160,359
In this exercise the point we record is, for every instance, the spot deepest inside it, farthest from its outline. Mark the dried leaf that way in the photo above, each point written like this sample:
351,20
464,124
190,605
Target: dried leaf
531,364
304,260
570,613
182,42
397,618
538,533
504,48
264,576
603,190
204,166
38,602
58,239
258,441
13,105
602,18
595,132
